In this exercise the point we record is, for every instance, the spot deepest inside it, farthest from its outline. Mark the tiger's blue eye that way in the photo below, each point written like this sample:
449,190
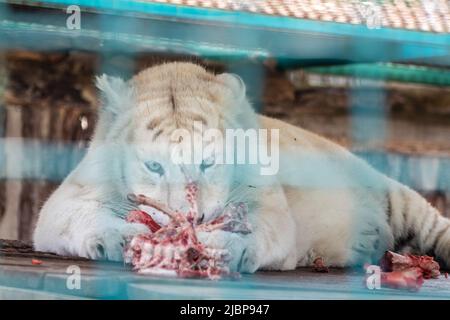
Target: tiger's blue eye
206,163
154,166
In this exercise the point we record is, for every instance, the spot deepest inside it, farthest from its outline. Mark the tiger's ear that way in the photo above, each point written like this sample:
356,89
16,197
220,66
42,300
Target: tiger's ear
235,83
116,94
241,111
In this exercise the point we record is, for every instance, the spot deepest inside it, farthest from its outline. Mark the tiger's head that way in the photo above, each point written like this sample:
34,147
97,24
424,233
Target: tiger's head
148,118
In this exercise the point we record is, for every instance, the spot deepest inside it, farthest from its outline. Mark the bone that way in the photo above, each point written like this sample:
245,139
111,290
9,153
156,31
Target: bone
141,199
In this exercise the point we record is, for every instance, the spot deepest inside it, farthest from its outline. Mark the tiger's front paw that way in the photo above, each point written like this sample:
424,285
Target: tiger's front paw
107,243
238,246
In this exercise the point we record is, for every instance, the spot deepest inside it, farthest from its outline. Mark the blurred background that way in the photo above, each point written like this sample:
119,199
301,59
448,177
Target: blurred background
374,76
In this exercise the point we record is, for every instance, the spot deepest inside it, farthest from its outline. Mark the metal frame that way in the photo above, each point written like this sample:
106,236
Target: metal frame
142,25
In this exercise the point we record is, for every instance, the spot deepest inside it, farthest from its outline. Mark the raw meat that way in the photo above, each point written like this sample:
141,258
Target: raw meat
174,249
137,216
319,265
407,271
36,262
392,261
410,279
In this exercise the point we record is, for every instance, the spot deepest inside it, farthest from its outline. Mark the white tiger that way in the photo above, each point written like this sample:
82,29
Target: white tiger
324,201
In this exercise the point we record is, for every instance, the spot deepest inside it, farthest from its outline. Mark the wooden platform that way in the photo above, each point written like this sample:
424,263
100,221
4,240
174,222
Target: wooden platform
20,279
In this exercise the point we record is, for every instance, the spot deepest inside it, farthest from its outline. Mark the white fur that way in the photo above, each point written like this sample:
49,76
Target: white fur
324,202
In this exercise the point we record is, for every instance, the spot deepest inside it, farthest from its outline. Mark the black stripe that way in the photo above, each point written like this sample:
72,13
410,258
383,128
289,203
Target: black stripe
153,123
440,235
389,207
405,241
172,99
157,134
405,209
433,227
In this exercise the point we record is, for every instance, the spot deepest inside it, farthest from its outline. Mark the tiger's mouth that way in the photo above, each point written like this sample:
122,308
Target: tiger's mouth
163,213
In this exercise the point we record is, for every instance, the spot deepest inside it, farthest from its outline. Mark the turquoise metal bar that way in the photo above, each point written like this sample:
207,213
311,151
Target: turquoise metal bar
290,40
127,42
389,72
249,19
